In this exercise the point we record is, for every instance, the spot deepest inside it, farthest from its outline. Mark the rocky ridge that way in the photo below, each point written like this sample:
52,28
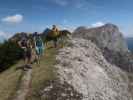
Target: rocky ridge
83,65
96,65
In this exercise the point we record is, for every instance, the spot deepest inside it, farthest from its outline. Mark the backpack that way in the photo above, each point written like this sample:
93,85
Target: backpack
24,43
39,43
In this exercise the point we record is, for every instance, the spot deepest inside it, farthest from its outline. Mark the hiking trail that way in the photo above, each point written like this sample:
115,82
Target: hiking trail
24,86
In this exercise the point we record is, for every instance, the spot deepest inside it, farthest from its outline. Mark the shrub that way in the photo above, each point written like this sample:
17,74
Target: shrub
10,53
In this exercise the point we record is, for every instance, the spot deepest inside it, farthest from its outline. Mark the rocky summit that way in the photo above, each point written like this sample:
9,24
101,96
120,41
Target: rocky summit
83,66
105,36
92,72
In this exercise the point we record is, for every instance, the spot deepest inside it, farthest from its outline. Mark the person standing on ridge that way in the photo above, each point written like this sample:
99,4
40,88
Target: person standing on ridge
39,47
55,29
55,32
26,46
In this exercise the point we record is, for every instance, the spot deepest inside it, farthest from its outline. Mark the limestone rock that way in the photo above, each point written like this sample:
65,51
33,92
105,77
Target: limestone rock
105,36
82,65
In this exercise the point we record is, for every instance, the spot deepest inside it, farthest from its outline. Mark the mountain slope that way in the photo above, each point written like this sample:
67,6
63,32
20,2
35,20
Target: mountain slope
83,65
91,73
8,82
87,68
10,79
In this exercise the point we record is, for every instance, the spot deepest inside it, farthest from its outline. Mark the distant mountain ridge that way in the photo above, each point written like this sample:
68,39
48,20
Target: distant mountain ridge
130,43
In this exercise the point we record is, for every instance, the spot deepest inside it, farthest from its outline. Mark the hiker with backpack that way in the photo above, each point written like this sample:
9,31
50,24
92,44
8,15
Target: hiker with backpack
26,46
55,30
39,47
55,34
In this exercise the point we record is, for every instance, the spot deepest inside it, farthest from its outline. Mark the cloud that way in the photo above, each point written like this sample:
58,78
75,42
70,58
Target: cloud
3,34
97,24
61,2
13,19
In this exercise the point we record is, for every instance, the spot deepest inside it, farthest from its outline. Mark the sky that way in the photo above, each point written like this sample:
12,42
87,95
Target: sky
36,15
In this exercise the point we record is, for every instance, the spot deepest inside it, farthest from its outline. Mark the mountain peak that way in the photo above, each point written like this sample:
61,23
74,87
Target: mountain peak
106,36
111,26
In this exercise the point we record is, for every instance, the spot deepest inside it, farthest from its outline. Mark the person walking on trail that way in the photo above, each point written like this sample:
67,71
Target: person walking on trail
55,33
55,30
39,47
26,46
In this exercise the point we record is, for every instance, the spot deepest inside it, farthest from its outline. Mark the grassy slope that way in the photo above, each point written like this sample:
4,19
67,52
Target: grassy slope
43,73
8,82
10,78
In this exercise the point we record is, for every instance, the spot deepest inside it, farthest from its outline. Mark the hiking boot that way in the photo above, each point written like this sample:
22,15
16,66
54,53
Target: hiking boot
28,66
25,69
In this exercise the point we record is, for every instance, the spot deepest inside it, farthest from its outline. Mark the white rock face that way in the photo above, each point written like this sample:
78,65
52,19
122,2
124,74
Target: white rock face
107,36
82,65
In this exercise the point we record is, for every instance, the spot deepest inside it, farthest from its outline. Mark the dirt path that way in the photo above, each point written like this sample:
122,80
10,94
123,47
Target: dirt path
24,87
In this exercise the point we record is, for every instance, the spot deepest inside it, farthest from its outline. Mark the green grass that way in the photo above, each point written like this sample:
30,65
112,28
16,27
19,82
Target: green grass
10,79
8,82
43,73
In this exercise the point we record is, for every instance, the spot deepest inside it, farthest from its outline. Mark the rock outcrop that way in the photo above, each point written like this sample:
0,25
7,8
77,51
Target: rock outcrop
105,36
83,66
96,65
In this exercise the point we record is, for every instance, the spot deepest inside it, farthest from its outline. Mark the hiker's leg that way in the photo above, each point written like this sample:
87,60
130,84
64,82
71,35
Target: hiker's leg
41,51
55,43
30,59
39,54
27,59
24,57
35,56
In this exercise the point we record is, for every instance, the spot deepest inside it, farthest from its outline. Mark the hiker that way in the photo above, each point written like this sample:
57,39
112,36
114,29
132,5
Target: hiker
26,45
39,47
55,30
55,34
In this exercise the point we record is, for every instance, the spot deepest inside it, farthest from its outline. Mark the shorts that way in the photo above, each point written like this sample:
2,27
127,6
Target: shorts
27,53
39,50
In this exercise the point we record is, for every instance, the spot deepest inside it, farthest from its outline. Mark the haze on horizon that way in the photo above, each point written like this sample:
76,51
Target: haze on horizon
36,15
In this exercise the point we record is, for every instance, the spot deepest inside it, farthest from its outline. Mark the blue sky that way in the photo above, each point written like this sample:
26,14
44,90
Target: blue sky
36,15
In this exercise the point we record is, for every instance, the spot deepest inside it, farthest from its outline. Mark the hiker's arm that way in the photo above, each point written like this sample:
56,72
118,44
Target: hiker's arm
19,43
35,42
